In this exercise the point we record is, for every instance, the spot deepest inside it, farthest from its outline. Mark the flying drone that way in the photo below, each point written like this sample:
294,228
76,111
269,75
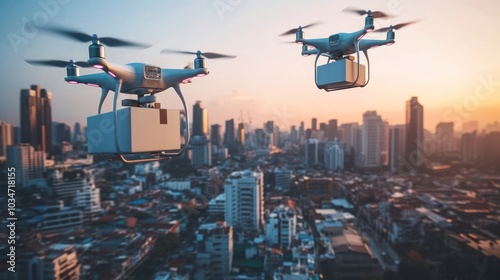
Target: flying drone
341,71
141,131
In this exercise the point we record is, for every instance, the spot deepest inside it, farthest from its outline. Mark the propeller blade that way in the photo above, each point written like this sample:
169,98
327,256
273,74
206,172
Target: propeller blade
55,63
294,30
83,37
375,14
212,55
209,55
68,33
114,42
395,27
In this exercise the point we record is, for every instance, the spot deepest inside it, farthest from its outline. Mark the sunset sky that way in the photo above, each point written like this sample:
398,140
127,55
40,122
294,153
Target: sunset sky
449,59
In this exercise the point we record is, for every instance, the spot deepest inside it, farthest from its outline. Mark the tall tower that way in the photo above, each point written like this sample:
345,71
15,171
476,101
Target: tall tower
314,124
215,135
200,119
372,139
229,133
332,131
396,147
245,199
414,150
36,118
6,137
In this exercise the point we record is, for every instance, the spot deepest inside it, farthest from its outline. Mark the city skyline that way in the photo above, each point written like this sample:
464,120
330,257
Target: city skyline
270,80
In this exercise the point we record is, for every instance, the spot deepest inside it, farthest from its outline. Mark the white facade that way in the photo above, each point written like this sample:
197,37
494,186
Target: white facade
217,206
214,247
334,156
88,199
281,227
245,199
29,163
311,150
372,140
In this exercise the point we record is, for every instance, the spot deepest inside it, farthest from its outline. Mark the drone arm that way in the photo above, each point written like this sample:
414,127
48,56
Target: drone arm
172,77
366,44
320,44
98,79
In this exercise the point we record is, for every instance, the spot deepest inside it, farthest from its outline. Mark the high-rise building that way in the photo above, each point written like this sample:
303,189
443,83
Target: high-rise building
323,127
200,119
36,118
396,147
491,148
214,251
229,133
241,134
302,133
61,132
245,200
294,136
216,135
29,164
469,147
332,131
314,124
78,135
385,143
200,151
281,227
445,138
311,152
371,140
6,137
348,135
334,155
414,153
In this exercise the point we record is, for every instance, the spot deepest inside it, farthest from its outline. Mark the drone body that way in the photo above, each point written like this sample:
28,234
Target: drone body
141,129
340,71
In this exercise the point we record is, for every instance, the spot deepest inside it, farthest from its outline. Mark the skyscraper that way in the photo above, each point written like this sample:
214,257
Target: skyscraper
36,118
314,124
414,150
229,133
200,119
29,163
311,152
241,133
396,147
6,137
215,135
245,199
445,138
372,139
469,147
334,155
332,131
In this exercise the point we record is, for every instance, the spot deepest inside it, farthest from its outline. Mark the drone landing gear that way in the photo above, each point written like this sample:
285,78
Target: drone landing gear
343,73
140,132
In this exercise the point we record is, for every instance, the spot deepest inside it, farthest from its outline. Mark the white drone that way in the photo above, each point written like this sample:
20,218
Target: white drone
340,72
141,128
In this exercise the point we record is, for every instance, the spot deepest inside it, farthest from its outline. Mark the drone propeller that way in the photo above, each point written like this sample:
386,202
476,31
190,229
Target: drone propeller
395,27
209,55
57,63
375,14
83,37
189,65
294,30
